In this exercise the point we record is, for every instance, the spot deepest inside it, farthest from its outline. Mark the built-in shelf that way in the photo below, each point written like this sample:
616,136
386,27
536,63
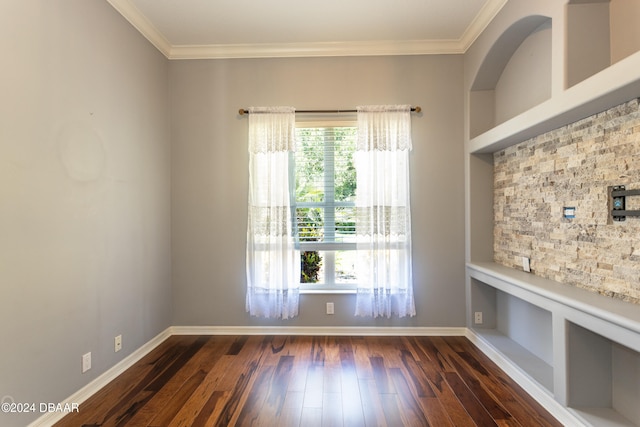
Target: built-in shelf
613,311
575,351
603,379
612,86
593,341
530,364
603,417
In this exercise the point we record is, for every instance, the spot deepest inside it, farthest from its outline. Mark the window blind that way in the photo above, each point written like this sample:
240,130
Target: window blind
325,186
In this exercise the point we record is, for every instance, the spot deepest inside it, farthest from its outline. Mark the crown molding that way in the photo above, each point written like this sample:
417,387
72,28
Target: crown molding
293,50
480,22
140,22
319,49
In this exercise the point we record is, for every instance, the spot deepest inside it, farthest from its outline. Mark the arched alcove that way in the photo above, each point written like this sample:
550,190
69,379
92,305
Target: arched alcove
514,76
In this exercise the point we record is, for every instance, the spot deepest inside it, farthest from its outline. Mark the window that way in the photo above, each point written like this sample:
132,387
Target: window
324,205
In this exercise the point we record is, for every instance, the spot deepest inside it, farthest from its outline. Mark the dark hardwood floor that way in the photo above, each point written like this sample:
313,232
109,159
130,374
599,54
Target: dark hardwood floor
312,381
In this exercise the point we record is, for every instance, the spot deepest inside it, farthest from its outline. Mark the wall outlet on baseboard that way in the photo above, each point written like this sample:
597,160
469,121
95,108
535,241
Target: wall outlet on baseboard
330,308
477,318
86,362
117,343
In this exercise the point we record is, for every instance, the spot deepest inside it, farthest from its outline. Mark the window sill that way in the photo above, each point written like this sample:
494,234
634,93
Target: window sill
327,291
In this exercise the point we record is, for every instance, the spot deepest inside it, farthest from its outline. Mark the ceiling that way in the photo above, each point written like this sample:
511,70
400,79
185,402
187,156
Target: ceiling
192,29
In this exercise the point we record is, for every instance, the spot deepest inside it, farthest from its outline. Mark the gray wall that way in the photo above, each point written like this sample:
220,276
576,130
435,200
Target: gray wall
210,177
84,195
117,167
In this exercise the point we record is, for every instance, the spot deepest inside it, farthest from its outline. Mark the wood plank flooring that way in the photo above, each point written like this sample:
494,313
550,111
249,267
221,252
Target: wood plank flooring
312,381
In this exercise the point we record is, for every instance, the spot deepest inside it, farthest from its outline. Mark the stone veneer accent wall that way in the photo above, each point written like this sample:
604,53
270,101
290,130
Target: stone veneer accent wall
573,166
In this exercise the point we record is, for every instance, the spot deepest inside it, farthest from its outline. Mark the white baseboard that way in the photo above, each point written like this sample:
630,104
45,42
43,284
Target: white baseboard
90,389
537,392
319,330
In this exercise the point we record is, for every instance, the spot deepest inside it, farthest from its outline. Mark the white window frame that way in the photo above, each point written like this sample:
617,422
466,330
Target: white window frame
328,247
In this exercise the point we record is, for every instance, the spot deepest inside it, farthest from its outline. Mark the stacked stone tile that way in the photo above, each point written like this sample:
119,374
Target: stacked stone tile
573,166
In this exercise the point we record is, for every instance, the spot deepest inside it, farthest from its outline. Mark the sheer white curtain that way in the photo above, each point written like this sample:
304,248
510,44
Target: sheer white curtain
383,222
273,263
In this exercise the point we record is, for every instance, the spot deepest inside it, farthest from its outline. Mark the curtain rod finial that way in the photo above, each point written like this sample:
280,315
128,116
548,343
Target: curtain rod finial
242,111
418,109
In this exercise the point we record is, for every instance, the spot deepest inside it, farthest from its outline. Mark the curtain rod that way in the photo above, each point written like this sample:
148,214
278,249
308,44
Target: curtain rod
242,111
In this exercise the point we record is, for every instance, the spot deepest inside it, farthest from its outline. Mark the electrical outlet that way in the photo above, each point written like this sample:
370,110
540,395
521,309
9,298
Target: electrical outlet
477,317
330,308
526,266
86,362
117,343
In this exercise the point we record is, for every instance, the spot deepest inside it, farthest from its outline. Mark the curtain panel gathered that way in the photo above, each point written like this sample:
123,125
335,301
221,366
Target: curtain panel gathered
383,214
273,263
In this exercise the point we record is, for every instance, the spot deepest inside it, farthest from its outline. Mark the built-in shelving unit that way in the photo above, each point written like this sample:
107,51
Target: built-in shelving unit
612,86
524,338
602,55
575,351
580,348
